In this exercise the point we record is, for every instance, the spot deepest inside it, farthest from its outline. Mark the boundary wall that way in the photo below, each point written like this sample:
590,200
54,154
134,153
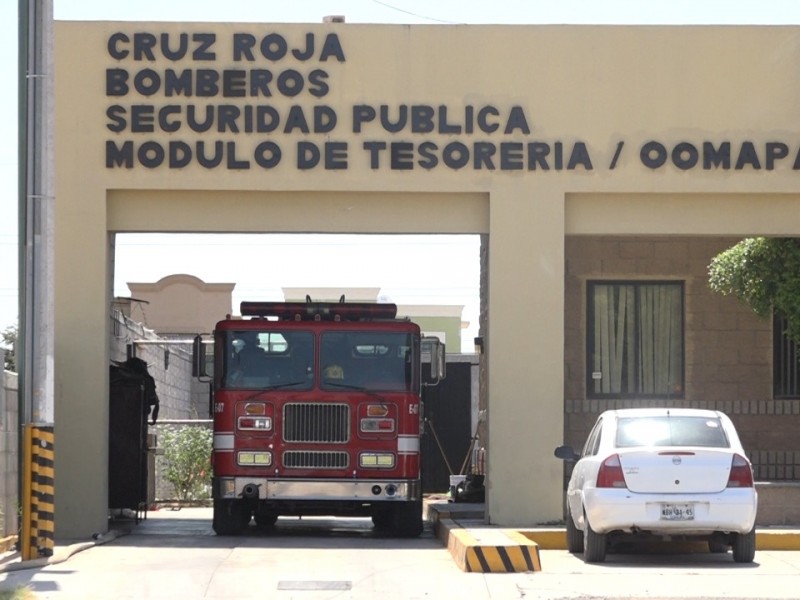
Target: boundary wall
9,451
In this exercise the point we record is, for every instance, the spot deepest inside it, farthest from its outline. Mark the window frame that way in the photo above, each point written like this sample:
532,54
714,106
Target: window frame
785,381
678,388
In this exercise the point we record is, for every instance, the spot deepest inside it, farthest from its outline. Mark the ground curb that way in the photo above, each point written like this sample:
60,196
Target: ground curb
547,539
477,547
7,543
777,539
488,550
59,555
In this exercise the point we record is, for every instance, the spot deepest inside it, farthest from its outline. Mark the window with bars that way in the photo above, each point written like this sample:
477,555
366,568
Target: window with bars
785,362
635,339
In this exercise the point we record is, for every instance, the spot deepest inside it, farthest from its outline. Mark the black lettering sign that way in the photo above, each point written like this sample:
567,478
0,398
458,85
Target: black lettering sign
775,151
579,156
267,155
374,149
719,157
747,156
653,155
685,156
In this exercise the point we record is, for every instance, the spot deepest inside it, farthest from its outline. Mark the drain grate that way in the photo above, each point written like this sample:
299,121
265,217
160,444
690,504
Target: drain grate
314,586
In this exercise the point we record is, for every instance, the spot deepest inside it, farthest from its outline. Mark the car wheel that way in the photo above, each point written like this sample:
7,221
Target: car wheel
744,546
574,536
594,545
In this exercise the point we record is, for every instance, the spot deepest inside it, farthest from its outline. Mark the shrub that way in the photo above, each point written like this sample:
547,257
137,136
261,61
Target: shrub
187,461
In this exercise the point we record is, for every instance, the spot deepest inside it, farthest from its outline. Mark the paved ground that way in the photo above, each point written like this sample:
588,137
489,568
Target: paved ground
174,554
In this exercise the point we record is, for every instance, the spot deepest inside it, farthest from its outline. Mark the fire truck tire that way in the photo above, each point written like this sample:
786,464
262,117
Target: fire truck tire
406,519
382,519
230,517
265,518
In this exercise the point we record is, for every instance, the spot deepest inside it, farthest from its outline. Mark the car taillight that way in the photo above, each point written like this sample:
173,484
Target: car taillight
610,474
741,472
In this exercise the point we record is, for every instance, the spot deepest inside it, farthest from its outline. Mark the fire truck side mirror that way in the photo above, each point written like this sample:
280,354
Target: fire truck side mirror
199,360
433,354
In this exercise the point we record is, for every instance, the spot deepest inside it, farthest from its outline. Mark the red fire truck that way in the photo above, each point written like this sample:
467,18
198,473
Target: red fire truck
317,411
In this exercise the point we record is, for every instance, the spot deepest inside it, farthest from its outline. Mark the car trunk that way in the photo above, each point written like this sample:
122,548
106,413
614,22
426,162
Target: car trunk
671,471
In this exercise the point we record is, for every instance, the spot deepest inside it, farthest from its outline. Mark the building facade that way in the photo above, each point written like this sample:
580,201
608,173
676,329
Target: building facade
603,168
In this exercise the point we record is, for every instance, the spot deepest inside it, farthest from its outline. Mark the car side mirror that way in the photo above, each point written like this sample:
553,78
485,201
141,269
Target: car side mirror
566,453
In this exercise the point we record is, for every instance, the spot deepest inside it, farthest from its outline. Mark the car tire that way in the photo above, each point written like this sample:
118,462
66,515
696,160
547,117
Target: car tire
574,536
594,544
744,546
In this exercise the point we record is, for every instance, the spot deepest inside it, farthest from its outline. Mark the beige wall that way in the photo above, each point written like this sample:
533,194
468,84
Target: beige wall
597,86
183,303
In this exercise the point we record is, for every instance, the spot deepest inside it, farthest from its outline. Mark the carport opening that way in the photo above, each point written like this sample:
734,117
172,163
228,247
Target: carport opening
419,271
434,279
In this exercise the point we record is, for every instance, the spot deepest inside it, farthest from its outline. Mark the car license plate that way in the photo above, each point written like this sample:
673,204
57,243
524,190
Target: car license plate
677,512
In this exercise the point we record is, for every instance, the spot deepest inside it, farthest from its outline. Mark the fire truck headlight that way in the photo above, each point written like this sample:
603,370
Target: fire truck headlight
254,459
255,423
376,425
376,460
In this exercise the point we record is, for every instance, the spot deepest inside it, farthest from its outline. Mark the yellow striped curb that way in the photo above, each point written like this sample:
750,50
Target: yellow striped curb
766,539
547,539
777,540
478,548
488,550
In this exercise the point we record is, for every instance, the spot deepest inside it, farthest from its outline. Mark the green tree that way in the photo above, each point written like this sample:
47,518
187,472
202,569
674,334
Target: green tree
764,273
10,343
187,460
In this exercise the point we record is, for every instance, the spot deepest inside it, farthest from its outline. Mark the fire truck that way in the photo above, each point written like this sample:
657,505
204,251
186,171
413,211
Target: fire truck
317,410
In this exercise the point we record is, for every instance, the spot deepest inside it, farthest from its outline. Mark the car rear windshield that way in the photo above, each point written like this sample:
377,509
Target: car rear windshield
670,431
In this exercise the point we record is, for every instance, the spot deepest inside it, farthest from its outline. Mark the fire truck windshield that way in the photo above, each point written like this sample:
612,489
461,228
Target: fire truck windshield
374,361
269,359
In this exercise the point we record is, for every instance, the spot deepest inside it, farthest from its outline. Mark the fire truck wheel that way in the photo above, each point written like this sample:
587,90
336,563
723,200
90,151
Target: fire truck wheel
230,517
382,519
265,518
407,519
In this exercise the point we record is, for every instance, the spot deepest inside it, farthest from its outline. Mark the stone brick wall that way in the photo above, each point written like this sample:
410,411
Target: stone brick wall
181,396
9,451
728,349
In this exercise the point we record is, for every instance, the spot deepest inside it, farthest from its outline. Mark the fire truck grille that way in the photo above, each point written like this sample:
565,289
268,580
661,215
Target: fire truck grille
316,423
314,459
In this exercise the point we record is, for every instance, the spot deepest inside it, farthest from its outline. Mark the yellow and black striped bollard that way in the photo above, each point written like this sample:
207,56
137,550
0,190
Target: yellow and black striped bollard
38,526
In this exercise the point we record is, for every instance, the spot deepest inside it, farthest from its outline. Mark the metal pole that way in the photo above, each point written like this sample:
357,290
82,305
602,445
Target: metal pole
36,210
36,216
41,203
22,152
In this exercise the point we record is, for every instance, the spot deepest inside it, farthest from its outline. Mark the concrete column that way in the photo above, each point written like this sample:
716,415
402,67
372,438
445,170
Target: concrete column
525,373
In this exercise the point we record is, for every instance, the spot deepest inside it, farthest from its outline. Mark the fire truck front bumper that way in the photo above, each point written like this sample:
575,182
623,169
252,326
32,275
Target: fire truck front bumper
364,490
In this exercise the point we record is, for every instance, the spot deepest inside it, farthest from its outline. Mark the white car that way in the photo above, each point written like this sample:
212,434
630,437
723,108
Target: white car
664,474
